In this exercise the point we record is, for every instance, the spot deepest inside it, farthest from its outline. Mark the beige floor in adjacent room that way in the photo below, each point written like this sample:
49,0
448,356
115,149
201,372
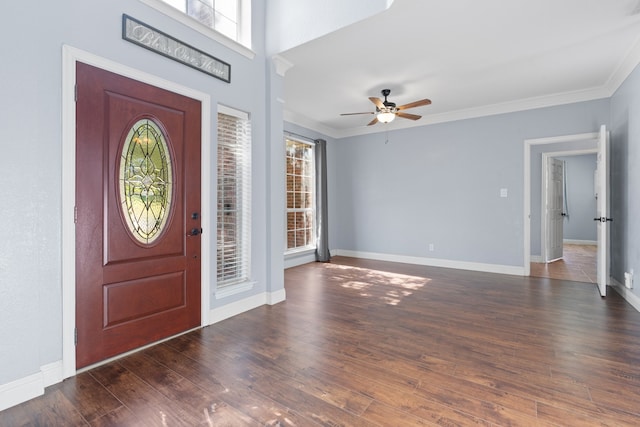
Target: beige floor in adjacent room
578,264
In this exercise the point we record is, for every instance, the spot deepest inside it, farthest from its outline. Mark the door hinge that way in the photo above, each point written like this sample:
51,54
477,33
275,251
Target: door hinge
75,336
75,93
75,214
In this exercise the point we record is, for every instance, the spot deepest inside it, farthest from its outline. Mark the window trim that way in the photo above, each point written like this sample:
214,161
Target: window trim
236,288
241,47
300,250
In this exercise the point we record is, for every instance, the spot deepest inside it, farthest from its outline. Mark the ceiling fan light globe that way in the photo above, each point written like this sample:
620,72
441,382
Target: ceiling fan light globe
386,117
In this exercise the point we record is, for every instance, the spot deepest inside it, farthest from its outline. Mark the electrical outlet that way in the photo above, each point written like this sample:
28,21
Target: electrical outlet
431,247
628,279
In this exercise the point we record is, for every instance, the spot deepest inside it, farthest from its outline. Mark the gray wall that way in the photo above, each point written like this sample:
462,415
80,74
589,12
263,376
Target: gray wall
30,134
625,179
581,201
441,183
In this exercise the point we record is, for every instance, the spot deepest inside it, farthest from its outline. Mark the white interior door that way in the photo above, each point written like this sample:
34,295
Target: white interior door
554,207
602,207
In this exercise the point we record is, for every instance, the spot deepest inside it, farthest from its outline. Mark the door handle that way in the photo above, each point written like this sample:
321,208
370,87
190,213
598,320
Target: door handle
603,219
195,232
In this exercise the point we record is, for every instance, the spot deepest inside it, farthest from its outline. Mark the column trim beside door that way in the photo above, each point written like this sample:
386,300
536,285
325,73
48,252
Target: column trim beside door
70,56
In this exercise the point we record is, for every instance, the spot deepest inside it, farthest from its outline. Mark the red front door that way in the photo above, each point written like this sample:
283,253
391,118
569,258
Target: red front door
138,214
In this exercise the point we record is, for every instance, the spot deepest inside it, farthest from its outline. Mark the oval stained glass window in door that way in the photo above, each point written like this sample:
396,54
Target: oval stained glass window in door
146,183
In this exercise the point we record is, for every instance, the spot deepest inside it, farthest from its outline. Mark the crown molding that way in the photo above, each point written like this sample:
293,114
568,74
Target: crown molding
307,123
625,68
463,114
281,64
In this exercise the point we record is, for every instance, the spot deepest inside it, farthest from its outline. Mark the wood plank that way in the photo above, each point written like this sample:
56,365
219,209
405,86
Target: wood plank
209,374
142,399
120,417
90,398
51,409
202,403
388,416
293,394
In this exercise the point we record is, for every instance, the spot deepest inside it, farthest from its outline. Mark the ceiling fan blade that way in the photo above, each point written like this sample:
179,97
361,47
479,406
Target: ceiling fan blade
377,102
352,114
415,104
408,116
373,122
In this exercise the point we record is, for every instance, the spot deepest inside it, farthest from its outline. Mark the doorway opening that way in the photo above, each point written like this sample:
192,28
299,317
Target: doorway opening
535,153
568,246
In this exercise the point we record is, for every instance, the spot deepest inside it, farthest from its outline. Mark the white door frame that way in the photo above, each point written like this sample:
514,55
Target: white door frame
603,209
70,56
543,217
528,144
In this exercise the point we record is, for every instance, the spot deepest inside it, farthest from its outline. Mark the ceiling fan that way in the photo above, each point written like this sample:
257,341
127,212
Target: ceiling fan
386,110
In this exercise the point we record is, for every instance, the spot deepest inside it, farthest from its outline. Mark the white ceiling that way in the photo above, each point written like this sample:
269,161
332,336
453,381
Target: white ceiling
470,57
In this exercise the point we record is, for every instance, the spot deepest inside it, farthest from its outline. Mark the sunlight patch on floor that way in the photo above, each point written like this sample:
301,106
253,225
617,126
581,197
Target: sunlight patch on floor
402,285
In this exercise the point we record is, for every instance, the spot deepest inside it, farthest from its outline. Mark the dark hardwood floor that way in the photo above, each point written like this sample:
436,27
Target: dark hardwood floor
578,264
369,343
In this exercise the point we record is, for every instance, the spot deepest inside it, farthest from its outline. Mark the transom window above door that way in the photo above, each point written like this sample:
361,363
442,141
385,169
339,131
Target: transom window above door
231,18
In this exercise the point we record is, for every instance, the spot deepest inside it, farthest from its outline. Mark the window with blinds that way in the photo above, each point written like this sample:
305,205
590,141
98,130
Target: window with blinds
234,197
301,184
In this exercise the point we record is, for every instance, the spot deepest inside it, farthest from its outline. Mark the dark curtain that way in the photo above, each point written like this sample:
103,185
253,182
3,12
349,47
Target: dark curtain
322,230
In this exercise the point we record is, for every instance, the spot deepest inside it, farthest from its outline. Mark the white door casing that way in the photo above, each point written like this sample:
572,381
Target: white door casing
70,56
602,206
588,145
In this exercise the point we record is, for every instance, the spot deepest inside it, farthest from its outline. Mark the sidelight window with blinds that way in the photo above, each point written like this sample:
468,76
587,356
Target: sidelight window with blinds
234,197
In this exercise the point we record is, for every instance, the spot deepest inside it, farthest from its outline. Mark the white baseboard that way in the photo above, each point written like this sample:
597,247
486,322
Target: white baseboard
434,262
29,387
536,258
625,293
580,242
52,373
21,390
238,307
294,260
276,297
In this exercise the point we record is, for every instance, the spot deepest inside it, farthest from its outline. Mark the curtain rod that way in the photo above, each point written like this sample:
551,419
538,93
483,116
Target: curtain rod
300,136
